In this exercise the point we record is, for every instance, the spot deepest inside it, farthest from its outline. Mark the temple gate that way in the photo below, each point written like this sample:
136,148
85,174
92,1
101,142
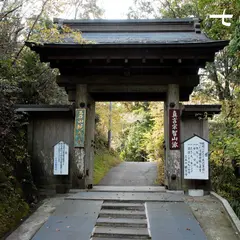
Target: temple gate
133,60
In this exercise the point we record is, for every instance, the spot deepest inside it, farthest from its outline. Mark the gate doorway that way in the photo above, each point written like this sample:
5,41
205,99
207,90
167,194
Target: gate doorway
137,135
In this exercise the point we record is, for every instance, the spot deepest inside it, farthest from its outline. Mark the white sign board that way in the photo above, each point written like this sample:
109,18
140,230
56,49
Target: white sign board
196,159
61,159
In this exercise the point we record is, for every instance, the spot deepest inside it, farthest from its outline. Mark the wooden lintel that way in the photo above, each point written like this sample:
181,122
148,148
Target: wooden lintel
190,80
127,88
135,94
129,53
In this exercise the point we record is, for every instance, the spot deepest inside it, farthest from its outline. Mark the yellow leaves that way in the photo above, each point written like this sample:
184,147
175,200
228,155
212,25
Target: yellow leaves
67,29
55,34
46,35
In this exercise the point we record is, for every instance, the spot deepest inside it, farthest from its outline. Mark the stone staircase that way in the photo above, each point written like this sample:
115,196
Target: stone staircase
121,220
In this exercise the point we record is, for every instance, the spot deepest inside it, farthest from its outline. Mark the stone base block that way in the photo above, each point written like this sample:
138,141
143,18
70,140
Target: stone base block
62,188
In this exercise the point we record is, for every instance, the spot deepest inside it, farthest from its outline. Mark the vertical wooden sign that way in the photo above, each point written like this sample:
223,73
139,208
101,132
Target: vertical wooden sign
174,129
79,131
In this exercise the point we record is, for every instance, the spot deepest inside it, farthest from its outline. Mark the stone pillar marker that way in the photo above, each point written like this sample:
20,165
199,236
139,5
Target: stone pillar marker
82,173
173,157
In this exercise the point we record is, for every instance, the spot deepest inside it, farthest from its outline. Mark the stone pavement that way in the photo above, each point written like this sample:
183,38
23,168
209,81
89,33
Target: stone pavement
127,212
122,215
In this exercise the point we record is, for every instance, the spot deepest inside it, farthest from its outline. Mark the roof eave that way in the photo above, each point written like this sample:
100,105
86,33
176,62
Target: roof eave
219,44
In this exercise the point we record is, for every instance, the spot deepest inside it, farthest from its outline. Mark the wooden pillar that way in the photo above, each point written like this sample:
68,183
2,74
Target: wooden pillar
205,129
90,143
166,143
173,157
83,156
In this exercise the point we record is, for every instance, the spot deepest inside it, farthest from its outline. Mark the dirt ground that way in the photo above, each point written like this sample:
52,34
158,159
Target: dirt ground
212,217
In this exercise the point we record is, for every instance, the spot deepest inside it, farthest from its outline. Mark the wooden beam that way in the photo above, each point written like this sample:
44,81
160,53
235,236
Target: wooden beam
129,53
190,80
127,88
134,96
132,63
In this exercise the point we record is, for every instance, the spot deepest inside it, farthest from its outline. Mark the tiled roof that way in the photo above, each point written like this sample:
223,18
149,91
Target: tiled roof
163,31
145,38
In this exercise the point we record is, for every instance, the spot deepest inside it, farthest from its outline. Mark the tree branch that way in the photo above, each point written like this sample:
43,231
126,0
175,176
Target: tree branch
30,31
5,14
171,9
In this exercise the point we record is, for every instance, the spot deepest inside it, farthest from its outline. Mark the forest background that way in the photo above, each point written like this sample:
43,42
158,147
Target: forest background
137,127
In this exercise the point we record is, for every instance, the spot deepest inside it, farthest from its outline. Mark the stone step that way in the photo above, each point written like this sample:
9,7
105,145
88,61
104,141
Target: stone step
144,189
125,201
120,205
122,222
113,213
121,232
101,238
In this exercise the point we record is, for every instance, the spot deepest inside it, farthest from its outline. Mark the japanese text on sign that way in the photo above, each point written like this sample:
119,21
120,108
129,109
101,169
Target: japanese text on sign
61,159
196,158
174,129
79,133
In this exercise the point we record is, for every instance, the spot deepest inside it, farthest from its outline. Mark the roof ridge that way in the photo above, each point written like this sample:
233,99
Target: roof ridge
162,20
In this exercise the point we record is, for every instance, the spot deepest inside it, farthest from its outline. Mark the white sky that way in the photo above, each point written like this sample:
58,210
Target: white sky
115,9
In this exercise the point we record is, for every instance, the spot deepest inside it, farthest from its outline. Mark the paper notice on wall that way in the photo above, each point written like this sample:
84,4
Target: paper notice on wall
196,159
61,159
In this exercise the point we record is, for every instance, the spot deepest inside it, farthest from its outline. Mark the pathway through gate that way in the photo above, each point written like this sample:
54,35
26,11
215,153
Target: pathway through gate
131,174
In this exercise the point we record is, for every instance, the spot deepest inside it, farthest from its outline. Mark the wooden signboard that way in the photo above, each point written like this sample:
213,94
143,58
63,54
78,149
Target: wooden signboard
174,129
61,159
196,158
79,132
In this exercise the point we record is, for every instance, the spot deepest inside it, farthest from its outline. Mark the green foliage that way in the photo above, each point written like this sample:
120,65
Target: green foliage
117,119
47,32
235,41
178,9
143,139
103,162
133,146
12,208
225,153
235,204
214,27
104,158
154,139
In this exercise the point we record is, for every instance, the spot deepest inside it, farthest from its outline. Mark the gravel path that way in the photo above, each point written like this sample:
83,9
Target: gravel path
212,218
